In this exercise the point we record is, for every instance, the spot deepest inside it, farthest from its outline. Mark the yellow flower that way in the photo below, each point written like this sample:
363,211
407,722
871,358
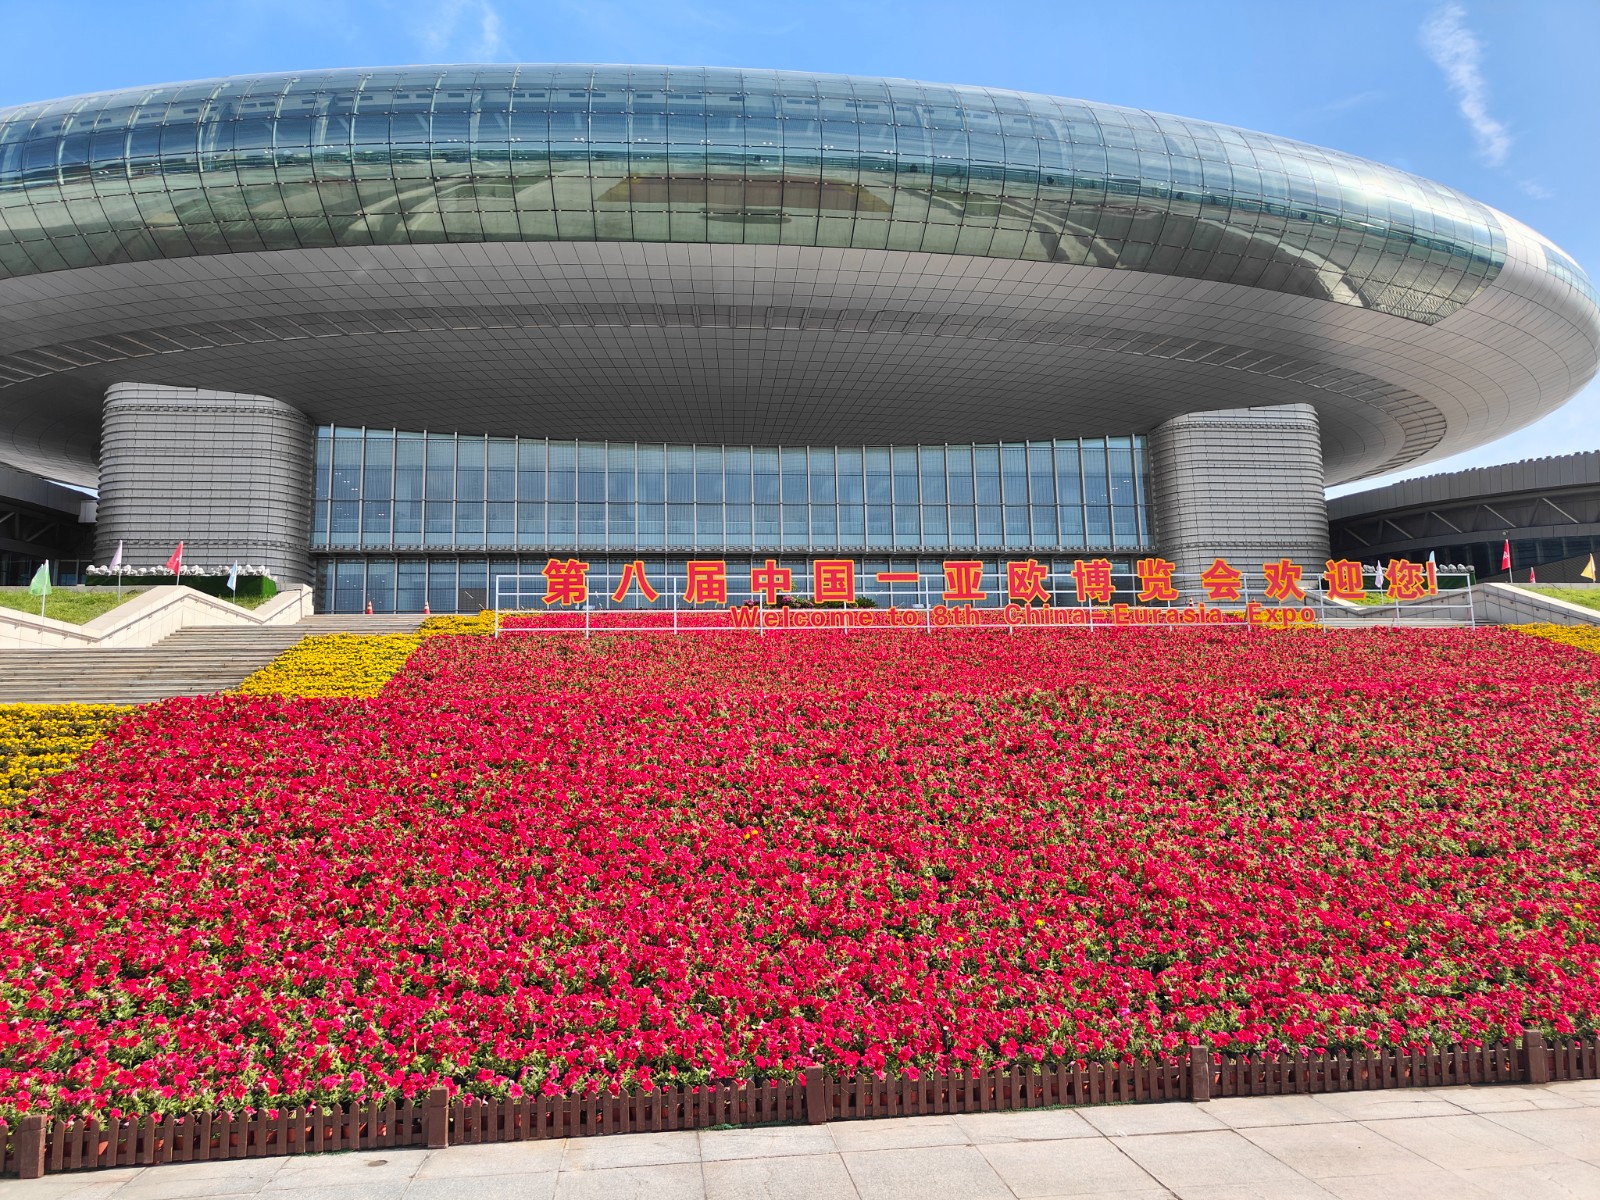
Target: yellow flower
481,624
334,664
351,664
39,740
1584,637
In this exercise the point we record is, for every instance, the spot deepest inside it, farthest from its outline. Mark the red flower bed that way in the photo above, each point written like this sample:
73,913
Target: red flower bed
549,863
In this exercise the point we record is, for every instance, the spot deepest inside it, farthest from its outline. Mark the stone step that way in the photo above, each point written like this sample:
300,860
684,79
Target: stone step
361,623
191,662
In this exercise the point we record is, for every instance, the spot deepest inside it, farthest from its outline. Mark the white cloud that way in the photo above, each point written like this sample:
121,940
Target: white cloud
1458,52
1342,105
467,30
1532,187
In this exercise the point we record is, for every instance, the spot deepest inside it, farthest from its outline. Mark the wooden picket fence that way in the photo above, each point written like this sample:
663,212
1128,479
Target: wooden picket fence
38,1145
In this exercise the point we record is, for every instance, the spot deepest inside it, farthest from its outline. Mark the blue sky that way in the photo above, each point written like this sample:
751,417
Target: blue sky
1500,98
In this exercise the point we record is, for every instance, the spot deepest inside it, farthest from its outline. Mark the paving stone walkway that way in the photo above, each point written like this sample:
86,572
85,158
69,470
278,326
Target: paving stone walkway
1520,1143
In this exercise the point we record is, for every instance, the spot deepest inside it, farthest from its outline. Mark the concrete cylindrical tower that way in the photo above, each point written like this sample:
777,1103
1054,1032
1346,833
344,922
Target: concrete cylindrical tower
1244,484
228,475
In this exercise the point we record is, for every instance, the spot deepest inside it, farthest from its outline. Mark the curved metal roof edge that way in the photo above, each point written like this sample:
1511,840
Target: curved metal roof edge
1499,479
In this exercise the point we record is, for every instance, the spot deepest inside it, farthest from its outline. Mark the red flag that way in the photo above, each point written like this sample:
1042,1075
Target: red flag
1505,556
175,563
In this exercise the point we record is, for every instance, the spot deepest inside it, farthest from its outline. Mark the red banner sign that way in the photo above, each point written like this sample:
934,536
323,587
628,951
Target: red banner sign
833,581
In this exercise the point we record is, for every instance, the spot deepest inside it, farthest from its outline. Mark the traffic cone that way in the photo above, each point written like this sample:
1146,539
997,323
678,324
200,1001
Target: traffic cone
369,608
426,611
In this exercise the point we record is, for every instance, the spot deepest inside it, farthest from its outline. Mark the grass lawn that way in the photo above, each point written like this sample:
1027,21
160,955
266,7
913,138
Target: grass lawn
79,608
67,604
1589,597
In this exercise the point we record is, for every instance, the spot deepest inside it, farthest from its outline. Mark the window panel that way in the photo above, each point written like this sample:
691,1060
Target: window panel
708,525
1096,485
470,468
469,522
441,477
438,523
561,477
990,530
931,470
848,465
852,527
963,526
766,487
501,477
766,524
651,474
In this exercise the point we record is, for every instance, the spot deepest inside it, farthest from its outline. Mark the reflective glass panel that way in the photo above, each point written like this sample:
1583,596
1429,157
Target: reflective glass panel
535,494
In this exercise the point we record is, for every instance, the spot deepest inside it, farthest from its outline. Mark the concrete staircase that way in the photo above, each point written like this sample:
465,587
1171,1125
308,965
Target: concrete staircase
192,662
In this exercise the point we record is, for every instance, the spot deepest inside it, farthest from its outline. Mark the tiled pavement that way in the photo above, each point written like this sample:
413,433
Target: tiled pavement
1521,1143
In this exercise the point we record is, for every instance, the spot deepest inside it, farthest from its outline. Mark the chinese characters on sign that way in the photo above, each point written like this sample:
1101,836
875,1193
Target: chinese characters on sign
1027,583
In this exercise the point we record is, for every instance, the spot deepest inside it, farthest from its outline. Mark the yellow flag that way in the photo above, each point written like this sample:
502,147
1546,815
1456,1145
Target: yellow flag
1588,572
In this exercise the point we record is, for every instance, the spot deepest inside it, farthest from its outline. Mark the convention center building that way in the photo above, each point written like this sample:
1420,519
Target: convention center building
399,331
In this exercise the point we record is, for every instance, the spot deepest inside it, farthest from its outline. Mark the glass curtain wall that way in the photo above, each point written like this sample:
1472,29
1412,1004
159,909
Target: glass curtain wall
613,153
385,490
465,583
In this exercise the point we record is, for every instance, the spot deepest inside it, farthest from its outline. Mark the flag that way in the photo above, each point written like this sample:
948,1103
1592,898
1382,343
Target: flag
40,584
1588,572
1532,578
1505,556
233,577
1377,581
116,559
175,563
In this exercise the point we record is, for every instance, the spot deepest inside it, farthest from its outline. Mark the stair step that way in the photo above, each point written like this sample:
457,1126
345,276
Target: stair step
191,662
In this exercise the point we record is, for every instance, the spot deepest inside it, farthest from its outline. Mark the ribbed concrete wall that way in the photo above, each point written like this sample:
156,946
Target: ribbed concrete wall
229,475
1244,484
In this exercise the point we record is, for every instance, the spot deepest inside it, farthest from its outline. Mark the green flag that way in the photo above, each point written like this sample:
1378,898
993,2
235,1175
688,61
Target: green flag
39,585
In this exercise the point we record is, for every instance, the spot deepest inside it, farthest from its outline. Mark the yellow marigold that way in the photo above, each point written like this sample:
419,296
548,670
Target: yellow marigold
334,664
1584,637
37,740
481,623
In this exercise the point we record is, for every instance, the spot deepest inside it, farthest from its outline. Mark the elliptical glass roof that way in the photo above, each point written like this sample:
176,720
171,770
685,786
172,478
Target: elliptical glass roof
539,153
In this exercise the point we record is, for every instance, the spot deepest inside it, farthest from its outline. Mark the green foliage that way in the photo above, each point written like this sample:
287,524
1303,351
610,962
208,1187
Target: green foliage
254,590
1589,597
66,604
